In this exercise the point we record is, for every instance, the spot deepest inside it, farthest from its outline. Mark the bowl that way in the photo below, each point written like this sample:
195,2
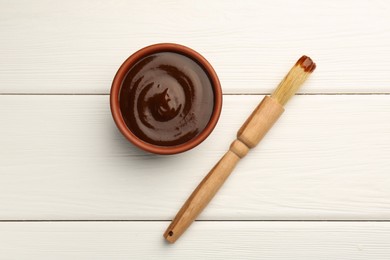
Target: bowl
166,98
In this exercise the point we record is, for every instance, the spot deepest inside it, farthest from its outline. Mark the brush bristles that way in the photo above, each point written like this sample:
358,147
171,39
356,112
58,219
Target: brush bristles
294,80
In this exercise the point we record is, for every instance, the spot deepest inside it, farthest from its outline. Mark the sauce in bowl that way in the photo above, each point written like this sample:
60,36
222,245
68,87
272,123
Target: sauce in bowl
166,99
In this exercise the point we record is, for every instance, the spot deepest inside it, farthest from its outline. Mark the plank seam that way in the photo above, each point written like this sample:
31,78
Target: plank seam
225,94
214,220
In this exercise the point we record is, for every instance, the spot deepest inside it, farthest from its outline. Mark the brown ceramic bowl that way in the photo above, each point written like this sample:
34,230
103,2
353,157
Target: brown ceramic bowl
127,109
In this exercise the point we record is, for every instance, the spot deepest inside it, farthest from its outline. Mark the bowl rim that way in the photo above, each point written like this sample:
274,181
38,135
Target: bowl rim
130,62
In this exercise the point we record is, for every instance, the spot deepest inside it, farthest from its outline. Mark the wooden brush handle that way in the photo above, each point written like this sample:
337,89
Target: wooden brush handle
260,121
250,134
201,196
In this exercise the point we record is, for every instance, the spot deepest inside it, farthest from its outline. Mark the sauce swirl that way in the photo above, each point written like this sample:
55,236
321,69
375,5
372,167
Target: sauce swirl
166,99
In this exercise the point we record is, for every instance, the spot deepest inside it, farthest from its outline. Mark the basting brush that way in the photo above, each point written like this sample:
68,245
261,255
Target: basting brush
249,135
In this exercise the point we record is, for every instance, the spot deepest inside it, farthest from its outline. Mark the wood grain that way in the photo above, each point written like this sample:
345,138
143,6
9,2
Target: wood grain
62,158
76,46
207,240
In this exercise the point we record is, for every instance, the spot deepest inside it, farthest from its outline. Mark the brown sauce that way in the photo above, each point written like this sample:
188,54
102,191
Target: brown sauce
306,64
166,99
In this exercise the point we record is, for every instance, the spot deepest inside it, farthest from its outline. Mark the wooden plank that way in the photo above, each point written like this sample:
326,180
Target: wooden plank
205,240
326,158
76,46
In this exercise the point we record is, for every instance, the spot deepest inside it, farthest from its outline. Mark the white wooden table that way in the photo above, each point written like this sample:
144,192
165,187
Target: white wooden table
317,187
